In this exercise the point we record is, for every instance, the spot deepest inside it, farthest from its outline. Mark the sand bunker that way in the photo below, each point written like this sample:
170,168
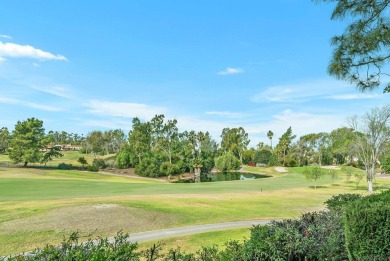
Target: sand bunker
281,169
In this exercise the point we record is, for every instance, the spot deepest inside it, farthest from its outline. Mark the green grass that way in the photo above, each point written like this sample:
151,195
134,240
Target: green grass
193,243
69,157
262,170
33,201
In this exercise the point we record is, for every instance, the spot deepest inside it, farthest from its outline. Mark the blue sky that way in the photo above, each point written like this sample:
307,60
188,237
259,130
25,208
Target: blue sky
81,65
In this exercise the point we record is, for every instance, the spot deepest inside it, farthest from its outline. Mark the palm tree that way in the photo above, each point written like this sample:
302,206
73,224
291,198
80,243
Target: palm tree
201,138
270,134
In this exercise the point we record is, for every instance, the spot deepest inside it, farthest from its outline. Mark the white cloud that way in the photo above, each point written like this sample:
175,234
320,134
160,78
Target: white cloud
2,59
108,124
8,100
26,51
302,91
317,89
230,70
36,65
354,96
60,91
193,123
123,109
29,104
41,107
226,114
5,36
301,123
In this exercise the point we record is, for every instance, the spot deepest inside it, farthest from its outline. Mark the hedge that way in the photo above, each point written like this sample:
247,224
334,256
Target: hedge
367,228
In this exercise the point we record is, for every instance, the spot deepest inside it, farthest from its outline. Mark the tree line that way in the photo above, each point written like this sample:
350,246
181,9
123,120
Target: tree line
157,148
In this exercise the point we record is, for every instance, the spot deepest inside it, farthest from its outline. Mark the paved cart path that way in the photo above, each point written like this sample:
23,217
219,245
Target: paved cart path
182,231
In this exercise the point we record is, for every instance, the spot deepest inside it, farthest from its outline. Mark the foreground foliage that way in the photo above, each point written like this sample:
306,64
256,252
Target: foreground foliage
353,227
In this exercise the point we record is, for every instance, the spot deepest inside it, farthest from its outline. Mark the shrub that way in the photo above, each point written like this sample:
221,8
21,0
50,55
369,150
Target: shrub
263,156
65,166
386,164
100,249
340,202
167,169
100,163
315,236
291,162
93,168
273,161
148,167
367,228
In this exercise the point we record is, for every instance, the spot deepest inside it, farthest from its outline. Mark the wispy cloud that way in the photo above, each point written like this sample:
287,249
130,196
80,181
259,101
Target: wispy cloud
303,91
13,50
8,100
301,123
5,36
354,96
41,107
123,109
230,70
29,104
226,114
60,91
108,124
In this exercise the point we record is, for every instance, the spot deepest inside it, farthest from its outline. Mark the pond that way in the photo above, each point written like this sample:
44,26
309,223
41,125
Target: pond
220,176
224,176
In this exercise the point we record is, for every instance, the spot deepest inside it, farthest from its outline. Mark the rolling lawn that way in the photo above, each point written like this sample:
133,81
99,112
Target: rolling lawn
40,206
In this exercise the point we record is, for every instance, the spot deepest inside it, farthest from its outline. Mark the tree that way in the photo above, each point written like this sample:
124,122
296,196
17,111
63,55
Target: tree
227,162
235,140
165,135
53,152
4,139
95,141
341,141
362,51
284,144
372,133
313,173
263,156
140,138
270,134
82,161
28,141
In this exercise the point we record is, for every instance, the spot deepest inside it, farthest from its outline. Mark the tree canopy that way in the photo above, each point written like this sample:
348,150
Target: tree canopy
27,141
361,53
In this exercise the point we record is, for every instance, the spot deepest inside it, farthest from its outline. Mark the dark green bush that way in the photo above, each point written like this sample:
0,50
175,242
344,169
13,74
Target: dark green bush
386,164
167,169
149,167
340,202
100,249
263,156
367,228
100,163
93,168
65,166
315,236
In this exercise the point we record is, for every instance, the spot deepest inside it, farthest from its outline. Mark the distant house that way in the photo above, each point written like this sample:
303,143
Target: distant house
70,147
64,147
